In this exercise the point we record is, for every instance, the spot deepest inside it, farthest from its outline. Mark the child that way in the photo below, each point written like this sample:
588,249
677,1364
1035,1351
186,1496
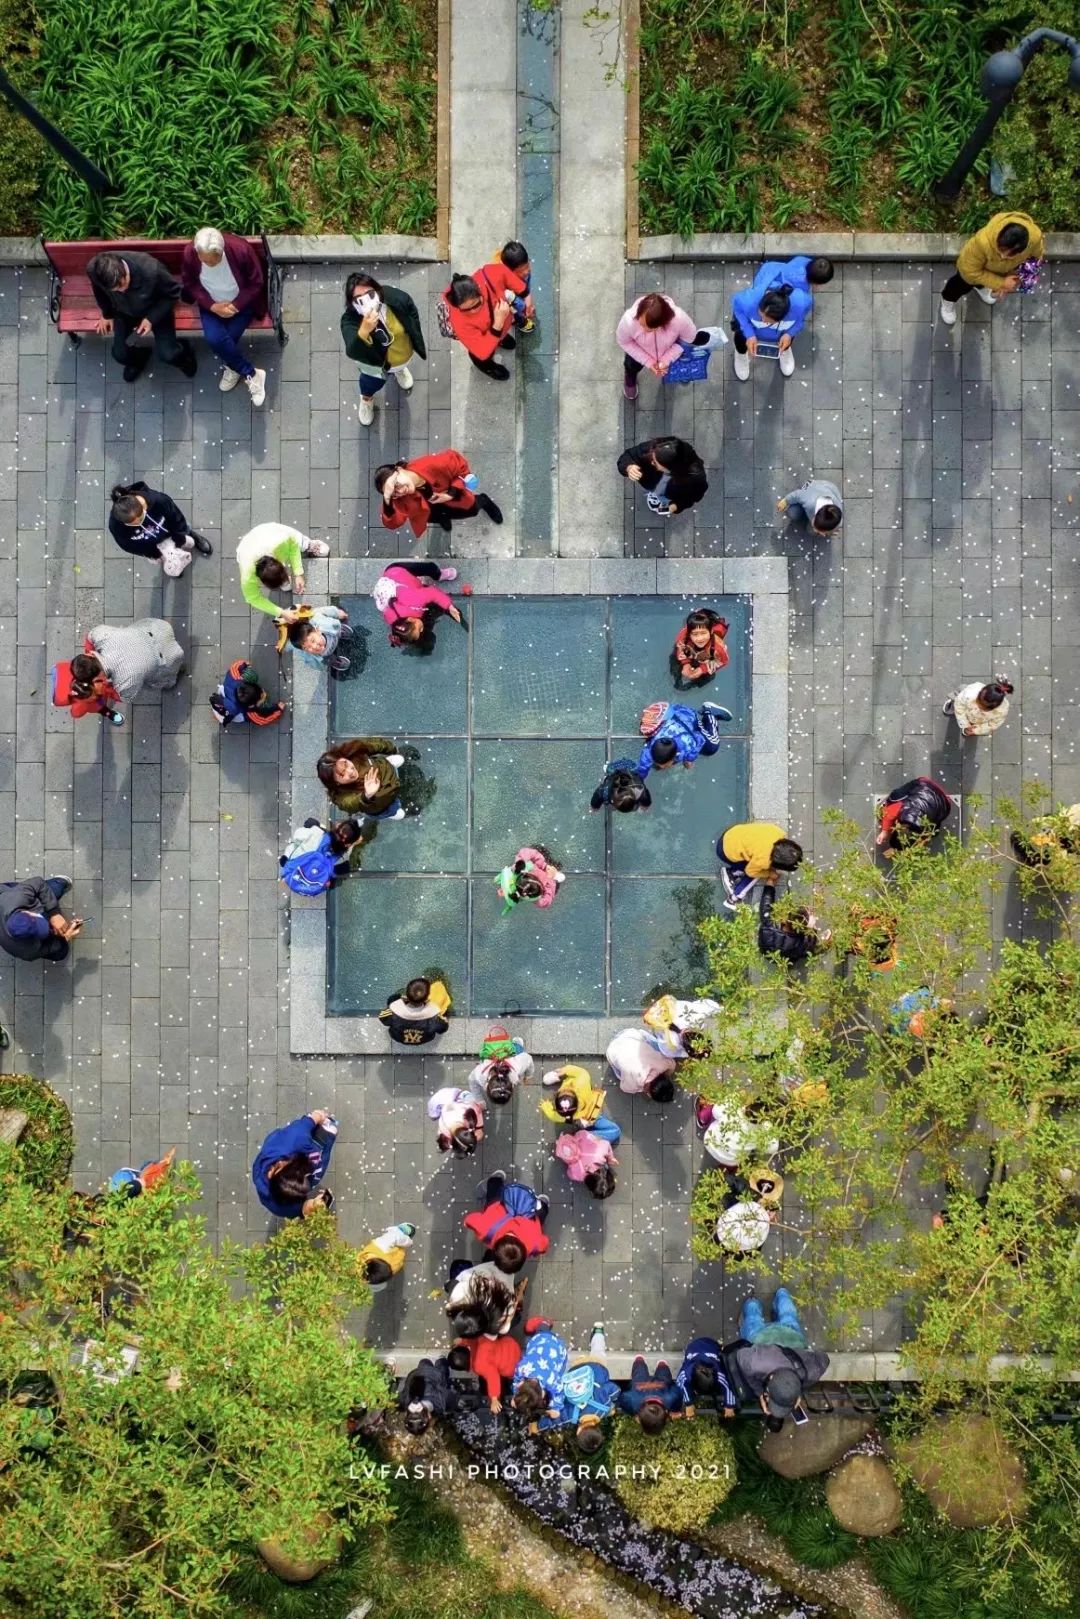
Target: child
589,1160
408,598
514,256
308,864
700,651
346,844
652,1396
133,1182
703,1373
511,1222
775,316
751,852
316,638
622,788
459,1121
673,1026
913,813
379,1260
576,1099
533,876
504,1065
581,1394
83,686
816,503
482,1298
239,699
979,709
641,1066
417,1013
677,735
493,1357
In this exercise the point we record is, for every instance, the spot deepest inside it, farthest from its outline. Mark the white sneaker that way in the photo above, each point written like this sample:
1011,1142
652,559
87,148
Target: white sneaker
948,312
987,294
256,387
366,411
315,548
398,815
395,759
229,379
742,366
404,379
787,362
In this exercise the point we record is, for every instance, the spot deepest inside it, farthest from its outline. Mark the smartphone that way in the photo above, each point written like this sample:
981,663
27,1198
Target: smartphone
799,1416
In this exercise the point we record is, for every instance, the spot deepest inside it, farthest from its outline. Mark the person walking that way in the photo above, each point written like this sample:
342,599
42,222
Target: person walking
480,312
677,734
674,1026
271,555
640,1066
751,852
222,276
776,315
913,812
816,505
383,1258
652,1397
509,1225
532,875
795,938
147,522
651,334
575,1100
361,777
621,789
436,488
290,1165
771,1358
137,297
380,327
131,656
495,1078
407,595
417,1014
459,1120
32,925
989,262
669,470
589,1159
979,709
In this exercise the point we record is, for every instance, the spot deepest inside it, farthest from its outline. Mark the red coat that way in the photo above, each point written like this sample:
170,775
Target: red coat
105,694
474,327
492,1359
488,1225
444,472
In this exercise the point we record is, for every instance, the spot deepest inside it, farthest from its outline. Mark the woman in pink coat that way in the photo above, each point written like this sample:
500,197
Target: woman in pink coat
588,1158
651,334
408,597
533,876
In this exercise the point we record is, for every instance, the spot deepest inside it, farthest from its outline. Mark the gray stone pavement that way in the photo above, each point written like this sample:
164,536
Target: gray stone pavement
958,457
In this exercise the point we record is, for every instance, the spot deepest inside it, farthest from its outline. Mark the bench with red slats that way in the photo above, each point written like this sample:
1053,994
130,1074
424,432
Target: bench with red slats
73,307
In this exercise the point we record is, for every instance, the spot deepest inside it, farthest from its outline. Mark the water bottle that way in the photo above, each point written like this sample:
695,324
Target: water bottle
471,481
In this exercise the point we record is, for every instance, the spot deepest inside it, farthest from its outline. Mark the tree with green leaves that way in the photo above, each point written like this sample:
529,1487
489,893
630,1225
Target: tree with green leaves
166,1406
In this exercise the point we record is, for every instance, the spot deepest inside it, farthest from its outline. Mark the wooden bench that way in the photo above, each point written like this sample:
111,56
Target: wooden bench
73,308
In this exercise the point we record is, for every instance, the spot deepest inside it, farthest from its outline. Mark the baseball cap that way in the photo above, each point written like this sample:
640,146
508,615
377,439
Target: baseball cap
27,925
782,1391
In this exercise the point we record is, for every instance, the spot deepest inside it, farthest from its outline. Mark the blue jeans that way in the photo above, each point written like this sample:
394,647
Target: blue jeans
223,336
606,1129
384,815
752,1316
370,386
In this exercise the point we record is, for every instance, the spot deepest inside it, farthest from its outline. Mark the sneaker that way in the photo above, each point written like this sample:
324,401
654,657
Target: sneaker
742,367
629,388
447,576
719,710
508,343
345,632
947,707
398,815
315,548
256,387
366,411
497,372
339,664
404,379
527,325
395,759
728,882
987,295
947,312
202,544
787,362
486,504
598,1326
115,719
229,379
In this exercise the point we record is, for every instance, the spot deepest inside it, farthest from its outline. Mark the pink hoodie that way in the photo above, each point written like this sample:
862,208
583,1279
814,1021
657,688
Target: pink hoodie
411,595
649,348
582,1152
544,874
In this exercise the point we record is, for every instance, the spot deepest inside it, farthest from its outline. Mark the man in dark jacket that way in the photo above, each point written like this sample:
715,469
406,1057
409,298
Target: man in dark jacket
32,927
137,297
795,938
913,812
770,1361
427,1393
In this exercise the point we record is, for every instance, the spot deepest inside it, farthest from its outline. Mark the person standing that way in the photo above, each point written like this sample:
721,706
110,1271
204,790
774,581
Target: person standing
651,334
132,656
589,1159
82,685
913,812
272,555
677,734
816,505
669,470
289,1166
137,297
459,1120
147,522
640,1066
433,488
407,595
314,636
776,315
990,260
979,709
361,777
795,938
496,1078
380,327
415,1015
480,309
222,275
383,1258
510,1223
32,926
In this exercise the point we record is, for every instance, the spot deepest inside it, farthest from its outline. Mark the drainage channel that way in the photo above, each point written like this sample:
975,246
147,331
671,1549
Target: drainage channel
538,179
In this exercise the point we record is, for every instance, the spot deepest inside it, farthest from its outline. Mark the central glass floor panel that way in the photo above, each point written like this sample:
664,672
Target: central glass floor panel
505,732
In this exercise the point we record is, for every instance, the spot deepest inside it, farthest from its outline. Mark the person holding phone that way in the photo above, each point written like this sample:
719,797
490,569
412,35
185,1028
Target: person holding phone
291,1163
32,926
772,1361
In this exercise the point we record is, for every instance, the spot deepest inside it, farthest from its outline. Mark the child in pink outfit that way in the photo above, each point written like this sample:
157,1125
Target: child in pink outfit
589,1159
409,599
533,876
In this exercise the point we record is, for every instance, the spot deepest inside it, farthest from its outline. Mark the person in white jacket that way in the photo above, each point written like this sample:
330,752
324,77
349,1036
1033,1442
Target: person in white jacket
640,1066
132,656
979,709
459,1117
497,1078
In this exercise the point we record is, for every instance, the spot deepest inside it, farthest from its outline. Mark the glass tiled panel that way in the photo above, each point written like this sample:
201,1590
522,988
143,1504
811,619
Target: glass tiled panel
393,692
436,839
386,930
643,631
540,667
690,808
653,942
529,791
539,961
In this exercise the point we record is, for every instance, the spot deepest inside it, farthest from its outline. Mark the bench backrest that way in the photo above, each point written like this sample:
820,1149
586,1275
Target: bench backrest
71,258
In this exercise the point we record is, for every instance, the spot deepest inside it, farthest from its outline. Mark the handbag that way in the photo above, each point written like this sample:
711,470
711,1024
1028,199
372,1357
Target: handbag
691,366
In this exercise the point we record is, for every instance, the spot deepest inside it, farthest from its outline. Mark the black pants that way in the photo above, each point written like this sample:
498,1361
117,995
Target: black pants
738,338
633,367
955,288
168,347
421,570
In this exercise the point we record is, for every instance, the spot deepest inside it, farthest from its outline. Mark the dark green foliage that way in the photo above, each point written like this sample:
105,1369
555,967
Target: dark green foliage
21,149
44,1152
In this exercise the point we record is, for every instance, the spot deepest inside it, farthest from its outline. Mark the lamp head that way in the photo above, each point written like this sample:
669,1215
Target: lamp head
1001,74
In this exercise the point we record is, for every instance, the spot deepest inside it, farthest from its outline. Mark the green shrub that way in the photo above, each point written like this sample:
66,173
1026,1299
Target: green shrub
21,148
44,1151
696,1462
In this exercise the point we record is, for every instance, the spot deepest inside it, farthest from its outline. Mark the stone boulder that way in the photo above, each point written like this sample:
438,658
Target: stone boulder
297,1570
799,1452
966,1470
863,1497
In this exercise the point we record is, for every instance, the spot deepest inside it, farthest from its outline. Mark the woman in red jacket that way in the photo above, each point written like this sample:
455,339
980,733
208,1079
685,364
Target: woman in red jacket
430,489
482,313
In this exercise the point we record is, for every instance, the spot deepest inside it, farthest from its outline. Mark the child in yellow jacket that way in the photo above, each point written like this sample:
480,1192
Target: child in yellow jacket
381,1259
578,1103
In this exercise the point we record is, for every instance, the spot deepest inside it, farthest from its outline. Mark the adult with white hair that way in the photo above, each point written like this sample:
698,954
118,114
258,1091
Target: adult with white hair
221,273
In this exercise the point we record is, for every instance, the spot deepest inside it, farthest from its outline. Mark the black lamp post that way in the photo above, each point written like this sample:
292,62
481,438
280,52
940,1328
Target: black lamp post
95,178
1000,77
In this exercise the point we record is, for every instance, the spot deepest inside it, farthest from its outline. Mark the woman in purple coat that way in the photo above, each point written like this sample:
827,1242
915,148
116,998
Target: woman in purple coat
222,274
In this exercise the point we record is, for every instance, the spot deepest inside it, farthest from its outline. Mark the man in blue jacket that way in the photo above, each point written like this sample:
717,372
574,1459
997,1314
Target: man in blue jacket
291,1163
802,271
677,734
703,1373
652,1396
775,315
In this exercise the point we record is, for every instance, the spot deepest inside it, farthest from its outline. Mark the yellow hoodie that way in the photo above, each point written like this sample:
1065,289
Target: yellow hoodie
752,841
590,1101
981,261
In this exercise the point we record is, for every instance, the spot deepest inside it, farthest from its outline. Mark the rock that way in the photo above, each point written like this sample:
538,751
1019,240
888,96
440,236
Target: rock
298,1570
798,1452
863,1497
967,1471
12,1124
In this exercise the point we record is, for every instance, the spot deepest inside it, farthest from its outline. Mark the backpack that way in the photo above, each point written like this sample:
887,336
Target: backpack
442,317
61,678
519,1202
307,866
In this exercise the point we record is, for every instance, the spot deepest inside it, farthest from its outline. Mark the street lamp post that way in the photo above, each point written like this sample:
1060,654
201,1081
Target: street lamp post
1000,77
95,178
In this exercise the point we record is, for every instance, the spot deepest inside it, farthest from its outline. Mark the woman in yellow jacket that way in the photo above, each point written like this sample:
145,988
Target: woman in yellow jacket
381,1259
577,1102
989,261
753,852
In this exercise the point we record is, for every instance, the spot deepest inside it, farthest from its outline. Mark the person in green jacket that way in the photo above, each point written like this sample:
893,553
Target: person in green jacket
272,555
381,329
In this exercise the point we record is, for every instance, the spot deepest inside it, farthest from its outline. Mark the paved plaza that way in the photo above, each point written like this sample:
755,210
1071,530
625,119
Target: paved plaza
958,456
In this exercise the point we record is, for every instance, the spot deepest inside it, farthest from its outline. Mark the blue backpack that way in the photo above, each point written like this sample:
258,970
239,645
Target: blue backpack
307,866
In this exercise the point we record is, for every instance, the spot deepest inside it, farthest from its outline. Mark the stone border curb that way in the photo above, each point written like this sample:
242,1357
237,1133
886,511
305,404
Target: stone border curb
26,250
874,245
312,1032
